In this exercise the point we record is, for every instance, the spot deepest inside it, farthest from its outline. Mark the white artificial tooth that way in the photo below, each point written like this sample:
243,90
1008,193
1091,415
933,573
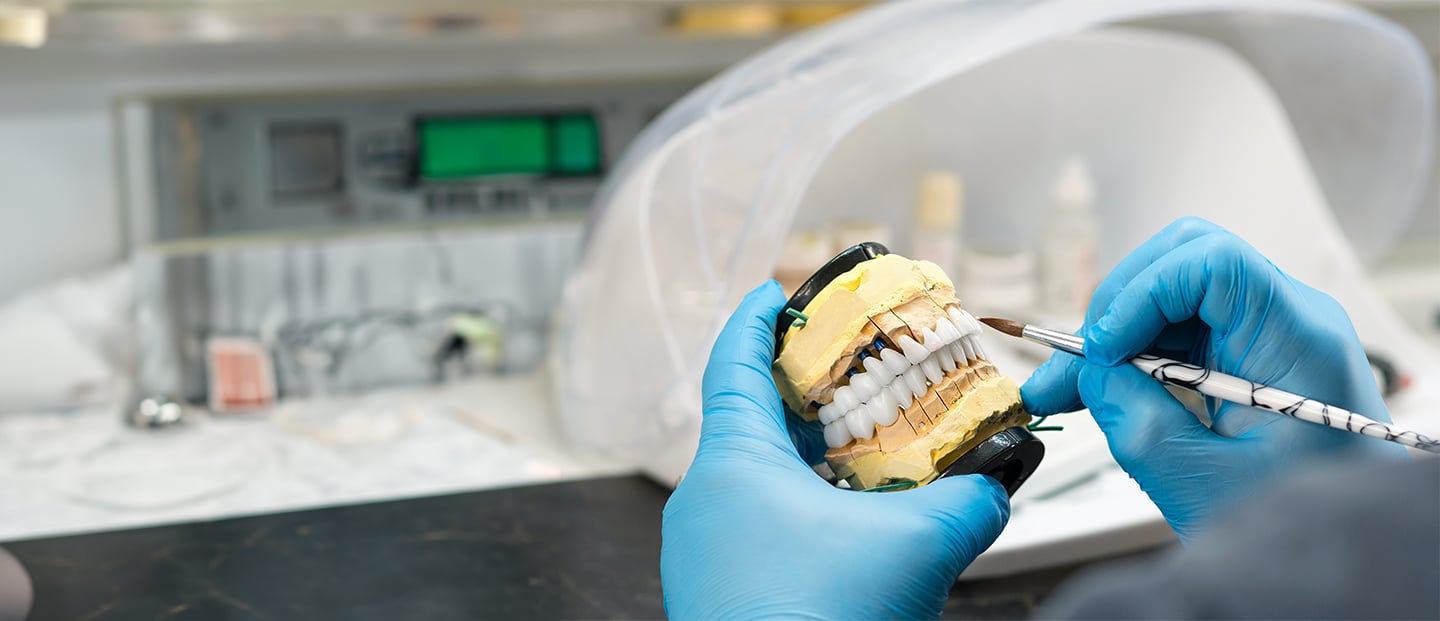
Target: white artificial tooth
884,409
837,434
914,352
915,379
931,367
864,386
895,361
901,390
947,361
947,331
932,341
957,351
979,351
859,423
974,323
829,413
845,399
968,345
957,317
960,319
876,369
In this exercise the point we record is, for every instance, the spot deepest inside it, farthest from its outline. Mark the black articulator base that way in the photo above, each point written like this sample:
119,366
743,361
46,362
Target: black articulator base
1009,456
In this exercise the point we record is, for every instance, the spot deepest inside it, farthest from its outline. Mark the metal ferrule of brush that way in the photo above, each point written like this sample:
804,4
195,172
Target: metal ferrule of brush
1068,343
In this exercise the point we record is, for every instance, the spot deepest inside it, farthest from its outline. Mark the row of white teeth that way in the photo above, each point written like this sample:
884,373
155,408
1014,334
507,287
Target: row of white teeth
892,381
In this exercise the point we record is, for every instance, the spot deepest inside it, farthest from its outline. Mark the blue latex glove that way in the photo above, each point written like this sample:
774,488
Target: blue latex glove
1199,294
751,531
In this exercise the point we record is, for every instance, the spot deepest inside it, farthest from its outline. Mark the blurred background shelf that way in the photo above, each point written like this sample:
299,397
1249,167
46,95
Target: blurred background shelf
38,22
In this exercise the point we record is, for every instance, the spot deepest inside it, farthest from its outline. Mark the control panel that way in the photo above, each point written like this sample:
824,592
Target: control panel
247,164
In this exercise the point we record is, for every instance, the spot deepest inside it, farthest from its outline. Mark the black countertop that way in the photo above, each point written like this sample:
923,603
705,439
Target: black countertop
577,550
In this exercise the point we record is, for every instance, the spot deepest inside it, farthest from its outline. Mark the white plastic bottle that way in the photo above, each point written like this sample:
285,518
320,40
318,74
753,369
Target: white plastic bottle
939,211
1067,271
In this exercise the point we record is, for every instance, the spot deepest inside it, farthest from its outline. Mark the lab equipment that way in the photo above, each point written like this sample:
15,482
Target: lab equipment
881,354
441,339
837,123
750,508
475,146
230,164
1215,384
339,229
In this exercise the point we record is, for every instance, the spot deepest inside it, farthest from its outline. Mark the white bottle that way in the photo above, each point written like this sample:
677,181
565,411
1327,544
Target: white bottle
1067,270
938,214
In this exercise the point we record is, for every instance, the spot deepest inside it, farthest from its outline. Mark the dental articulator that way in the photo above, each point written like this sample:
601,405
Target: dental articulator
878,350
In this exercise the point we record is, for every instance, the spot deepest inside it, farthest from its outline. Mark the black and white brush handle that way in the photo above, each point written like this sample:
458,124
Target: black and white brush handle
1245,392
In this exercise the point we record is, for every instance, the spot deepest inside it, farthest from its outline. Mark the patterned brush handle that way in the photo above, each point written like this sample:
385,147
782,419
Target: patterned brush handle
1246,392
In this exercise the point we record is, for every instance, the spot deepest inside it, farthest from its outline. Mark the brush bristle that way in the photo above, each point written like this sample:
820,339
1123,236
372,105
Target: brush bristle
1013,328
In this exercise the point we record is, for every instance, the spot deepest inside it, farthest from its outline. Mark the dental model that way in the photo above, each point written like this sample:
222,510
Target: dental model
881,353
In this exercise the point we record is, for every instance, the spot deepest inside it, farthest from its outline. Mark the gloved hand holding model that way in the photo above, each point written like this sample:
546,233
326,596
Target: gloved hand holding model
1199,294
751,531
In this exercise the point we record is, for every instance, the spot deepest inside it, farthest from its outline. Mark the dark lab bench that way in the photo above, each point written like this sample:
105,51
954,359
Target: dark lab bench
577,550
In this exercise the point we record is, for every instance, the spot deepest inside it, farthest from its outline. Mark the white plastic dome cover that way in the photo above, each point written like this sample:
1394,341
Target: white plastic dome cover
696,212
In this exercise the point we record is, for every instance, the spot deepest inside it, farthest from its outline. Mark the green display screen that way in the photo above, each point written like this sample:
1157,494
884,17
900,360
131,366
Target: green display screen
463,147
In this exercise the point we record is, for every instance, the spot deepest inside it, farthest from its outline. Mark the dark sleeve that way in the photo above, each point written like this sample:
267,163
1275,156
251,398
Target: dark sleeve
1356,543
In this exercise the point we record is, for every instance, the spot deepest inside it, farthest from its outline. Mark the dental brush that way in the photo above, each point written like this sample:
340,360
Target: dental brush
1230,388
